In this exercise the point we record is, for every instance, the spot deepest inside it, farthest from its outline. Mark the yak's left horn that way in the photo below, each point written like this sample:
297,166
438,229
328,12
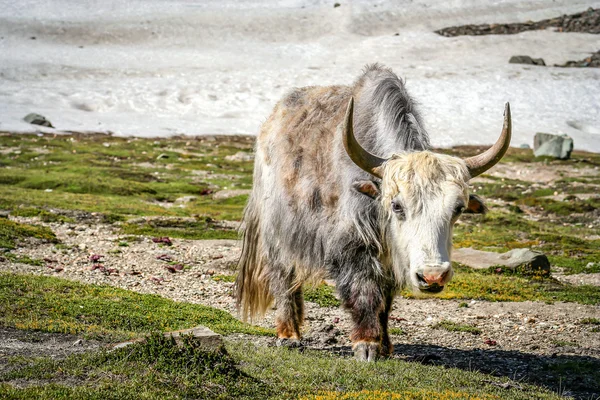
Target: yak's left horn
482,162
361,157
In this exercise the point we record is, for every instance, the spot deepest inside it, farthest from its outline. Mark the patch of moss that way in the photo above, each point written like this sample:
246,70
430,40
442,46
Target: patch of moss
11,232
454,327
590,321
224,278
396,332
24,259
323,295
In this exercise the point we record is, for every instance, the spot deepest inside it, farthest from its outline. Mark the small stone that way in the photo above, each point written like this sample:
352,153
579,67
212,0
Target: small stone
37,119
78,342
208,339
526,60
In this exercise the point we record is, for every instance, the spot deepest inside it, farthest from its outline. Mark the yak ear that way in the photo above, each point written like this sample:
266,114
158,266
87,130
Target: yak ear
476,205
368,188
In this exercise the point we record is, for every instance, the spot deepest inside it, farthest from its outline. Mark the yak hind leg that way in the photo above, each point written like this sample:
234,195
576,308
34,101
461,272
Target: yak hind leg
290,309
289,319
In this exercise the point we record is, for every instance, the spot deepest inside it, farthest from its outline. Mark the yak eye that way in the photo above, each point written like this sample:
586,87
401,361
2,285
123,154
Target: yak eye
458,210
397,208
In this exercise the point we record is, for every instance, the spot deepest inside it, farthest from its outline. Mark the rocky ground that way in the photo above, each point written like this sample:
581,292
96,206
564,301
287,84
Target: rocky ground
531,341
517,339
583,22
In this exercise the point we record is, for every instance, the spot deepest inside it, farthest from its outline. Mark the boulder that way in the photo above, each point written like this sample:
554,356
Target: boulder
557,146
37,119
519,260
526,60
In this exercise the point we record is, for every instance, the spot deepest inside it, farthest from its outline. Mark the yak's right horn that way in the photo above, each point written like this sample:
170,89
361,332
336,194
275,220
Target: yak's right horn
361,157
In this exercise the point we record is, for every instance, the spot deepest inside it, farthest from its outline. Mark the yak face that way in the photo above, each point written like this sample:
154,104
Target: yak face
422,195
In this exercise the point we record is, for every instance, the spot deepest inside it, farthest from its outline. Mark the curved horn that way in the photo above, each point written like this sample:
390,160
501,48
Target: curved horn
361,157
482,162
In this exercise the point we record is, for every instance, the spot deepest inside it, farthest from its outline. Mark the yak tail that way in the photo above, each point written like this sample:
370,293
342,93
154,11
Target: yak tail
252,283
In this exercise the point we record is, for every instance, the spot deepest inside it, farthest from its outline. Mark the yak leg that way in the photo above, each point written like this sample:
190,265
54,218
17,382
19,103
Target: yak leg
387,348
366,303
290,309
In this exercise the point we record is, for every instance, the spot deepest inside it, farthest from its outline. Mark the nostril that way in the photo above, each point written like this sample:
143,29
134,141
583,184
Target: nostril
421,278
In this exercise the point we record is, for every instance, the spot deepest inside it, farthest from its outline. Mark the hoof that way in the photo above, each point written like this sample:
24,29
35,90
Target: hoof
366,351
289,343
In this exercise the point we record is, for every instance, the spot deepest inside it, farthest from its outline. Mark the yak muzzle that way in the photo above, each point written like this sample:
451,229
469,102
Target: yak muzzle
432,278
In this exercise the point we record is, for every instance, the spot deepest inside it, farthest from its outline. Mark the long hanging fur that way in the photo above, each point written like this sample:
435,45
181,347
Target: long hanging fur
251,285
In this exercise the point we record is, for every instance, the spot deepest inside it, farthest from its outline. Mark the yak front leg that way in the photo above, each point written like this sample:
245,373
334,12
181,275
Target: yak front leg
387,348
364,300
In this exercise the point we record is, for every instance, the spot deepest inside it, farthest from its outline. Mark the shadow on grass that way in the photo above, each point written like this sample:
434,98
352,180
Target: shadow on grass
577,376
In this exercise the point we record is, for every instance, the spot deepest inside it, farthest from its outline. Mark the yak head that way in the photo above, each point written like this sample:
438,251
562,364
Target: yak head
421,196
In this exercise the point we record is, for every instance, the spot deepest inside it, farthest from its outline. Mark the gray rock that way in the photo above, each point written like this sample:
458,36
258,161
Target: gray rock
37,119
204,336
207,339
526,60
520,260
557,146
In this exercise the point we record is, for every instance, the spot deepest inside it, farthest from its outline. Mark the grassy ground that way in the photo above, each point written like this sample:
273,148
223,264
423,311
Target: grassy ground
121,178
159,369
57,305
164,188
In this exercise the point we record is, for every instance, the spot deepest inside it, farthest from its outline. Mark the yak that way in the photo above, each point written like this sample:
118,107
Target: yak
346,186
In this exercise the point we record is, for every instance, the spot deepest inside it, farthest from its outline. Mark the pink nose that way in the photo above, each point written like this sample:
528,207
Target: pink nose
439,278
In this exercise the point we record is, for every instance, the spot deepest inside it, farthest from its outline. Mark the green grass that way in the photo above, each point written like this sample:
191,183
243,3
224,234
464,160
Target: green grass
590,321
158,369
454,327
11,232
57,305
224,278
396,332
322,294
